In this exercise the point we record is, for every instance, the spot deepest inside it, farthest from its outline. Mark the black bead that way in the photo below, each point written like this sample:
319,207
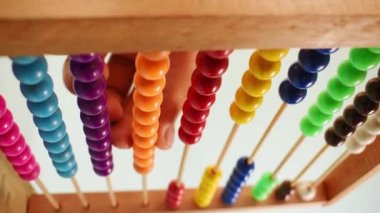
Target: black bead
372,89
341,128
332,138
352,117
364,105
284,191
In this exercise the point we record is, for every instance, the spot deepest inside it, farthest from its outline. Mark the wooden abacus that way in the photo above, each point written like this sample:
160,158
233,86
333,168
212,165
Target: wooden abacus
51,27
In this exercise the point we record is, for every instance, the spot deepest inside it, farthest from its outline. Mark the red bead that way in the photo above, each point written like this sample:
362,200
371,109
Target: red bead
174,195
194,115
205,85
211,67
187,138
192,128
198,101
219,54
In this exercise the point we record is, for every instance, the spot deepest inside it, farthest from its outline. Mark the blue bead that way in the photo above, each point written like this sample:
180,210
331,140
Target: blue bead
65,166
70,173
300,78
59,146
291,94
32,73
312,60
45,108
48,123
23,59
327,51
63,156
54,135
38,92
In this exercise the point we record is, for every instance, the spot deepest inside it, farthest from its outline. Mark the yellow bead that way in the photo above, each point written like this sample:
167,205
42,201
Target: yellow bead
263,69
253,86
273,54
207,188
246,102
240,116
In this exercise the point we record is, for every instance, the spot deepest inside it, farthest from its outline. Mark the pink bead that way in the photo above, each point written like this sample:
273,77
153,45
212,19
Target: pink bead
33,175
199,101
219,54
10,137
194,115
211,67
192,128
22,158
3,106
6,122
16,149
26,168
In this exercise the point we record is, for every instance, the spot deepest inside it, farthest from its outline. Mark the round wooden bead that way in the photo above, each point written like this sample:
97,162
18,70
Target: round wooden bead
38,92
87,72
372,125
349,75
332,138
91,90
291,94
364,105
210,66
219,54
194,115
3,106
49,123
273,54
328,105
372,89
352,117
205,85
31,73
146,118
312,60
147,104
361,136
300,78
341,128
306,191
156,55
92,107
284,191
253,86
6,122
338,91
308,128
144,142
145,130
363,59
198,101
247,102
148,87
240,116
375,50
192,128
188,138
353,147
327,51
317,117
151,70
263,69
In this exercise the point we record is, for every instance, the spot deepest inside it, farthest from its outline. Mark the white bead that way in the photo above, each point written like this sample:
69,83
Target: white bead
353,147
363,137
306,191
372,125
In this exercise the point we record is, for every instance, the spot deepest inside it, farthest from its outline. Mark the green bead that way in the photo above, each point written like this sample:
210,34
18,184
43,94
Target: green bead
264,187
375,50
308,128
338,91
317,117
328,105
349,75
363,59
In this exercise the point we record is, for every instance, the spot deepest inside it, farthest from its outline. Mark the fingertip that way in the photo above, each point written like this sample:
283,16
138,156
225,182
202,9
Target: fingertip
165,136
114,104
67,77
122,142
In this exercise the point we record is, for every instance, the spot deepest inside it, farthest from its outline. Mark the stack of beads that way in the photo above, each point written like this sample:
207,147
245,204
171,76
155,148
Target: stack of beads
37,87
205,82
89,86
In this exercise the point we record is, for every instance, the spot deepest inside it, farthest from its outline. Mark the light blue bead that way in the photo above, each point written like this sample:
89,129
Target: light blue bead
38,92
65,166
24,59
49,123
59,146
45,108
70,173
32,73
63,156
54,135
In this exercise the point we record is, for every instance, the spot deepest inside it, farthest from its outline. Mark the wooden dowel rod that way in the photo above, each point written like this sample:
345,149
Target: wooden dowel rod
145,194
226,146
311,162
111,193
289,154
47,194
182,165
274,120
81,197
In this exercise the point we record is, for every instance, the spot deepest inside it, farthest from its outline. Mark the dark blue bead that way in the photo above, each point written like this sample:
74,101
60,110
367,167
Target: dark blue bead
291,94
70,173
54,135
312,60
63,156
87,72
24,59
31,73
59,146
327,51
38,92
45,108
48,123
300,78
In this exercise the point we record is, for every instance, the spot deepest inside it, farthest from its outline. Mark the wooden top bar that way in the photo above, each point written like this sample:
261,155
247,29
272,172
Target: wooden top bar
77,26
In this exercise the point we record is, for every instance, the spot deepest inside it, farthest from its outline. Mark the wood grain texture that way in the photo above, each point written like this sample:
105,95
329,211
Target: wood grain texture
131,202
52,26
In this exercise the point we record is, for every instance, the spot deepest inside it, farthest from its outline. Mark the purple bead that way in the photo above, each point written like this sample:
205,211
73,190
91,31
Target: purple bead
33,175
95,121
3,106
99,145
103,155
22,158
6,122
98,133
87,72
104,172
16,149
92,107
90,91
102,165
83,58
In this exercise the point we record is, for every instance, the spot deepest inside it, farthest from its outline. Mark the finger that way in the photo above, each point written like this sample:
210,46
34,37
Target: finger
122,70
114,105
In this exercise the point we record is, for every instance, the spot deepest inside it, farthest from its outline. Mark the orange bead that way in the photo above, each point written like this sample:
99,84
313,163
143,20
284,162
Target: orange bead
143,153
253,86
143,170
152,70
240,116
147,104
145,118
145,131
246,102
263,69
144,163
156,55
148,87
142,142
273,54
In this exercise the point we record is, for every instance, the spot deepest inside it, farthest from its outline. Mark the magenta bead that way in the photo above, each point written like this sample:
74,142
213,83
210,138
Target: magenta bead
92,107
3,106
28,167
199,101
205,85
33,175
10,137
99,145
16,149
219,54
6,122
95,121
22,158
194,115
91,90
192,128
211,67
187,138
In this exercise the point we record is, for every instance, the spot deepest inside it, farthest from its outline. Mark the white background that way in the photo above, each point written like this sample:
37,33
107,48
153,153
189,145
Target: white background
207,150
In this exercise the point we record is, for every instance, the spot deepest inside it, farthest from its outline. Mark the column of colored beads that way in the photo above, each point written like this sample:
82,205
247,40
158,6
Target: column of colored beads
89,86
205,82
18,153
37,87
149,81
256,81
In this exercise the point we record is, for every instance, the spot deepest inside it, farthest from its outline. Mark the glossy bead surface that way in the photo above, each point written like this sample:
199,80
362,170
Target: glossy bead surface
188,138
10,137
3,106
349,75
341,128
174,194
54,135
146,118
148,87
264,187
374,50
312,60
317,117
198,101
91,90
152,70
92,107
300,78
219,54
83,58
207,188
205,85
211,67
142,142
263,69
145,130
95,121
372,89
247,102
98,133
15,149
6,122
239,116
308,128
253,86
284,191
147,104
352,117
273,54
338,91
328,105
99,145
45,108
87,72
62,156
194,115
58,147
364,105
354,147
332,138
192,128
48,123
372,125
363,59
291,94
327,51
38,92
156,55
24,60
30,73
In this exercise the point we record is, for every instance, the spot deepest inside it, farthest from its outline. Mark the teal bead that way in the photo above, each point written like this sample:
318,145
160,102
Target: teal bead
317,117
32,73
70,173
38,92
375,50
65,166
58,146
54,135
45,108
338,91
363,59
328,105
308,128
48,123
349,75
63,156
23,60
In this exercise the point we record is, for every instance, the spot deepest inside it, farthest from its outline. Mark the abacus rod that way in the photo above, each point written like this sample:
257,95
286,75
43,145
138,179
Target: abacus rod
341,158
311,162
145,194
287,156
182,165
81,197
274,120
111,193
226,146
47,194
